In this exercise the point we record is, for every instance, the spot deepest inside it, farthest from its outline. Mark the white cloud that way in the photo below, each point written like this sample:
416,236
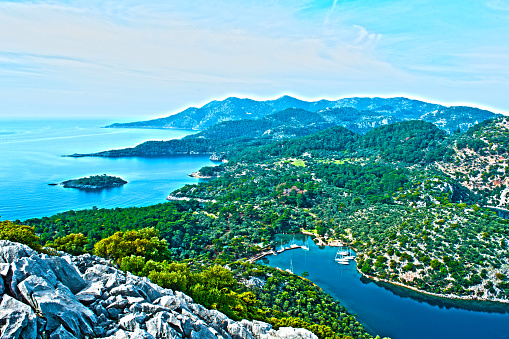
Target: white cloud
501,5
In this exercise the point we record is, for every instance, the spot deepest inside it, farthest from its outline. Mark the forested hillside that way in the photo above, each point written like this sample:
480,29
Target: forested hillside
386,193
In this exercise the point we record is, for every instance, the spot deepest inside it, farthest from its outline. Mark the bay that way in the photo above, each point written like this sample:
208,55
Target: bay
31,158
397,313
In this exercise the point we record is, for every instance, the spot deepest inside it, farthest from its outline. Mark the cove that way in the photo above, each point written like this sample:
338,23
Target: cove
387,310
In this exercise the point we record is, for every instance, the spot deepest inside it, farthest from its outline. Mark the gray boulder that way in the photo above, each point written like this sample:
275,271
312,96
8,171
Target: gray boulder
148,290
132,321
126,291
160,327
25,267
59,306
17,320
67,274
202,332
91,293
12,251
293,333
237,331
257,328
147,308
109,276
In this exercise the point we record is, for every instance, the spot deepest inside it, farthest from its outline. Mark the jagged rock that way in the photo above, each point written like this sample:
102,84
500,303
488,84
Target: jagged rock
86,299
186,325
4,269
257,328
99,331
61,333
11,251
293,333
160,326
146,308
25,267
100,310
168,301
132,321
113,313
148,290
237,331
58,305
67,274
17,320
85,296
134,300
138,334
126,291
172,302
200,311
119,303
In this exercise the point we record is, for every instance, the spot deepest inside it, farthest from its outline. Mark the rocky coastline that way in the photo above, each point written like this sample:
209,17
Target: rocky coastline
174,198
66,297
198,175
70,184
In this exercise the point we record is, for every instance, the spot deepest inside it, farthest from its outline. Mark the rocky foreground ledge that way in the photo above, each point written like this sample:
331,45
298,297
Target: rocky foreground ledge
86,297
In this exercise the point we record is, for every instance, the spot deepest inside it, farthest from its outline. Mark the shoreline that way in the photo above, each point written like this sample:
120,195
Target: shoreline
448,297
174,198
321,241
197,175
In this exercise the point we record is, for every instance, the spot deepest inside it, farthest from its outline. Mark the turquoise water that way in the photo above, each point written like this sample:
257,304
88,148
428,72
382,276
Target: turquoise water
30,159
393,312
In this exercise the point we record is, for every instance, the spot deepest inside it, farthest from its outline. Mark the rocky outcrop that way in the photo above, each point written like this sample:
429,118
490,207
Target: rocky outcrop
86,297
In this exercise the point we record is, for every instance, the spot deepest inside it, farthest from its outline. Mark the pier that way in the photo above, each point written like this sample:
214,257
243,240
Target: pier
260,255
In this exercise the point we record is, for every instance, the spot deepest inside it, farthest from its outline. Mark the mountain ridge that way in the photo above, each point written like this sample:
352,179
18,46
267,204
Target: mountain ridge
233,108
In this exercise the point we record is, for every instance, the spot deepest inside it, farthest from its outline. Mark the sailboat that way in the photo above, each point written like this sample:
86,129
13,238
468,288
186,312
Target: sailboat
290,270
341,257
282,248
350,256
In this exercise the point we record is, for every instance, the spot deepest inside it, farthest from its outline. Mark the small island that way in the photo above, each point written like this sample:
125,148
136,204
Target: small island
94,182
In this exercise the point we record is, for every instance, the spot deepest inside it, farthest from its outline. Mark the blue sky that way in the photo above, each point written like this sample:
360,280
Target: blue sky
140,59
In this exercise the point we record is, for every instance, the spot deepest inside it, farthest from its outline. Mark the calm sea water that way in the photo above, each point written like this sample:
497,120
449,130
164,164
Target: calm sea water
30,159
395,313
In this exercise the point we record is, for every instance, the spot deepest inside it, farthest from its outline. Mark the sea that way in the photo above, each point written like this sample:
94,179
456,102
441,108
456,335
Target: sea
31,159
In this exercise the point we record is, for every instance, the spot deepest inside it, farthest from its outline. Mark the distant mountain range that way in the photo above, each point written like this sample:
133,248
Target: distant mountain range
357,114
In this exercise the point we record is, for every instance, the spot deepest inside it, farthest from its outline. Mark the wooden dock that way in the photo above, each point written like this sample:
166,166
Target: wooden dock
260,255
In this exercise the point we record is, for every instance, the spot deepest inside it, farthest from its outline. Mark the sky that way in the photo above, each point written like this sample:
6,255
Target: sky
133,59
